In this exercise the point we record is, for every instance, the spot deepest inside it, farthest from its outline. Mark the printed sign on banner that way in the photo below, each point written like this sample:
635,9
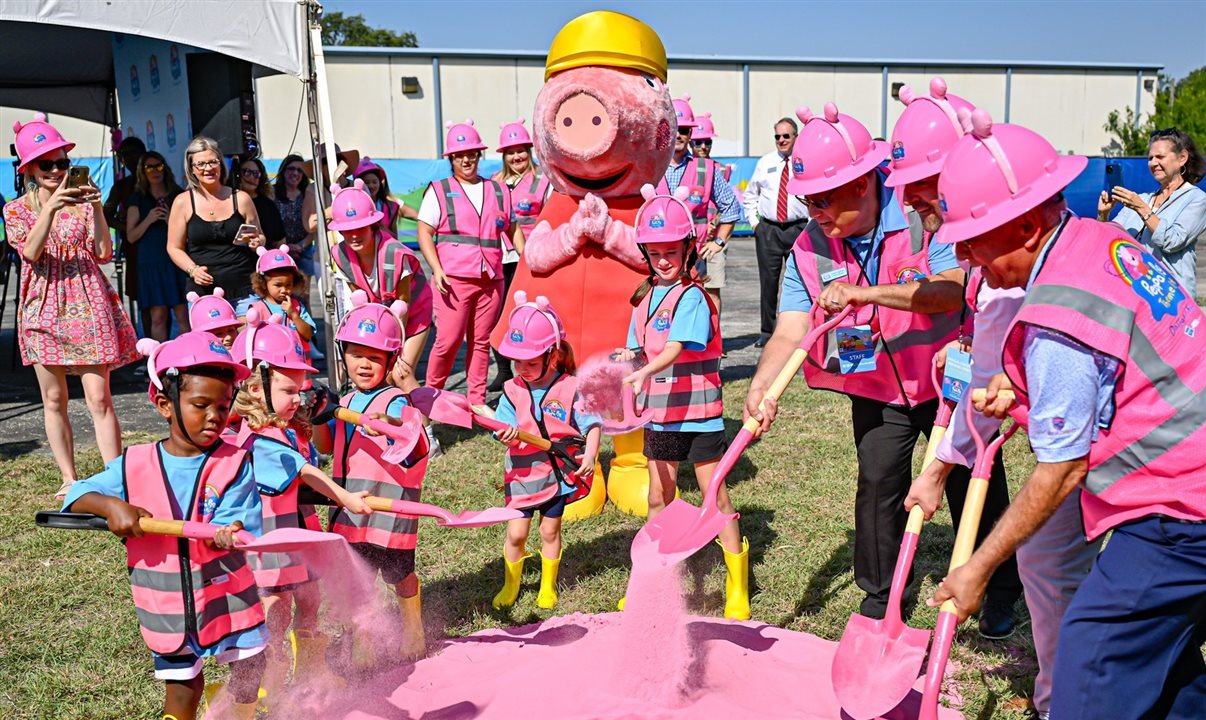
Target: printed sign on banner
153,99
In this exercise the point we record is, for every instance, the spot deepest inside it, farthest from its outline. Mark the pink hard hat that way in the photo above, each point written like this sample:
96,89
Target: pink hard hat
352,207
664,218
704,130
211,312
683,113
832,150
267,340
926,131
533,329
190,349
37,138
996,173
274,259
368,166
372,324
513,134
462,137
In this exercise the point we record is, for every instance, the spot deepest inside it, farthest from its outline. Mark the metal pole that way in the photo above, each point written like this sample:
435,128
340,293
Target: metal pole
883,108
1008,91
745,108
1138,96
439,105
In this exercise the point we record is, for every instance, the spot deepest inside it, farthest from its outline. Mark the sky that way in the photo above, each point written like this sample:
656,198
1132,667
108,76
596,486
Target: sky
1085,31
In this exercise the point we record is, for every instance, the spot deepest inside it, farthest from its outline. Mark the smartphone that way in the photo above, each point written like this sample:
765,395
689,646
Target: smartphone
77,176
244,230
1113,176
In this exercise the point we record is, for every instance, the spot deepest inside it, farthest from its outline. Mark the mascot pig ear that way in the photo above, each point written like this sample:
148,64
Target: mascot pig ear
521,298
359,298
682,192
981,122
648,191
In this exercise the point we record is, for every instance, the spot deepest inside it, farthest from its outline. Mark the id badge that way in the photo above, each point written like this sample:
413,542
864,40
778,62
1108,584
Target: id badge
958,374
835,274
856,349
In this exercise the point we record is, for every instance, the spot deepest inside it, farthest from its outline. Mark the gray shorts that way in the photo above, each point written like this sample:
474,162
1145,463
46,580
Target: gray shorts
715,279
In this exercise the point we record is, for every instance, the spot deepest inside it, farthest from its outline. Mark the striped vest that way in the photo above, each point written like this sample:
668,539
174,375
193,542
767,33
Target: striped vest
274,570
1103,289
266,313
531,479
182,587
358,467
690,388
905,342
471,245
393,259
699,199
528,197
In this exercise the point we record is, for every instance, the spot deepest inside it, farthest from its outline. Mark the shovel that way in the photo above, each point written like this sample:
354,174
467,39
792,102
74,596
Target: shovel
965,543
444,518
405,437
283,540
632,420
681,529
877,661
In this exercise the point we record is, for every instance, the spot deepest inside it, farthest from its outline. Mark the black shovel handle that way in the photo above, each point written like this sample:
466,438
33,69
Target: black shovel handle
70,521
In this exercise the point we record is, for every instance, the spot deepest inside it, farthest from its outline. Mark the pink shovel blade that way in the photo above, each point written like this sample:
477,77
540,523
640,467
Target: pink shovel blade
872,671
632,420
288,540
677,533
444,407
405,439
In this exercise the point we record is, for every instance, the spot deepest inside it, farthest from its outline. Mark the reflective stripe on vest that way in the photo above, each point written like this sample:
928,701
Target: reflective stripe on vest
528,471
358,466
905,341
182,587
529,202
1149,460
470,243
689,389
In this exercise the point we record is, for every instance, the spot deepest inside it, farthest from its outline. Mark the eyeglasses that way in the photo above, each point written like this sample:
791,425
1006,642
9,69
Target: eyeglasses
466,157
702,143
158,167
1166,132
818,203
788,136
206,165
250,172
48,165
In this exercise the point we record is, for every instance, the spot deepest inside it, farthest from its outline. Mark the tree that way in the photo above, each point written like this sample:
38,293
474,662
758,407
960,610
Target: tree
340,29
1179,103
1128,139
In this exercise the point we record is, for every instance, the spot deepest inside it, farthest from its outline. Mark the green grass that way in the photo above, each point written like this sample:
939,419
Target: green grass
70,648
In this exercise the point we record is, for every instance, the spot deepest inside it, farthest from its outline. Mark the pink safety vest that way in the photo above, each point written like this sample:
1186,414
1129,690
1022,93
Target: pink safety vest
471,245
905,342
358,466
1103,289
266,312
529,473
393,259
273,570
690,388
182,587
528,197
703,171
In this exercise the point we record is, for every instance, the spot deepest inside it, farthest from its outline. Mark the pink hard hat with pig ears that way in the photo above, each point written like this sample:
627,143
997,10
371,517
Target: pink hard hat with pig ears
372,324
533,329
830,151
277,259
211,312
462,137
352,207
37,138
190,349
683,113
664,218
926,131
267,340
513,134
704,129
996,173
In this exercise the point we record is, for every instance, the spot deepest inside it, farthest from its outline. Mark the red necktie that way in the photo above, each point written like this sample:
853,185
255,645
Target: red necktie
781,205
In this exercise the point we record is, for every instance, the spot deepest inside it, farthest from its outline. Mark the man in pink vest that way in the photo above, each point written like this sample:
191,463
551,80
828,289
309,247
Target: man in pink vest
1105,359
861,249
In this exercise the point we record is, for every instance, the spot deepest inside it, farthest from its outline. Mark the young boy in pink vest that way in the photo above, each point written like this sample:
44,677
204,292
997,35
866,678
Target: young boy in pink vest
676,332
540,400
1105,359
213,609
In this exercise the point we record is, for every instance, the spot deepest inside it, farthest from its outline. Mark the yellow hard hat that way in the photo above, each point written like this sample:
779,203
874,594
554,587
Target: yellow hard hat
610,39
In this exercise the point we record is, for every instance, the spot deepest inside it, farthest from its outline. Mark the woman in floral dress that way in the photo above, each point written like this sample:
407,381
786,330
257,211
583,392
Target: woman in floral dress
71,320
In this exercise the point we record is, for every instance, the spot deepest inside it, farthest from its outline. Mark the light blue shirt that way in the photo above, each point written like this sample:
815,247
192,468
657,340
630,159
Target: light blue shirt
1182,222
691,325
722,195
304,313
505,412
867,249
360,402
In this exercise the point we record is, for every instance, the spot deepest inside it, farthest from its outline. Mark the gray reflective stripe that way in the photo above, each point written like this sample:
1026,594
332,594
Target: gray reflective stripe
531,487
449,206
469,240
275,561
1086,303
683,398
820,250
701,175
526,220
687,369
159,580
498,198
1164,438
390,262
916,231
165,624
535,184
388,522
229,603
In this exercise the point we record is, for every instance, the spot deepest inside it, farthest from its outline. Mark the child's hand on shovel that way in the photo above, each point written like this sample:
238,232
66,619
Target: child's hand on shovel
383,418
224,538
123,519
354,502
636,380
509,436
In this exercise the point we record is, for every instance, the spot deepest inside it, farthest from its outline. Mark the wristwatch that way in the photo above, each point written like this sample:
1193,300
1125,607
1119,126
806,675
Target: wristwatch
719,241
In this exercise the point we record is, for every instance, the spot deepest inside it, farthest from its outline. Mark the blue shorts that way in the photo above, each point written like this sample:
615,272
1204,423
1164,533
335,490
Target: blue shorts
554,508
186,664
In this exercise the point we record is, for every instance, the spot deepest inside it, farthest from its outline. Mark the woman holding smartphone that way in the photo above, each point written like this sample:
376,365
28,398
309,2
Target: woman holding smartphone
213,229
70,319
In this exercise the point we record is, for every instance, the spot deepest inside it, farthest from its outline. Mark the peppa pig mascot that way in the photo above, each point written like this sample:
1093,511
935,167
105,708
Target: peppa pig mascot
604,127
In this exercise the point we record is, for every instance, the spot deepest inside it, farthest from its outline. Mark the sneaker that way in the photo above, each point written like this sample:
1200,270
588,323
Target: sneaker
483,410
434,449
761,341
996,621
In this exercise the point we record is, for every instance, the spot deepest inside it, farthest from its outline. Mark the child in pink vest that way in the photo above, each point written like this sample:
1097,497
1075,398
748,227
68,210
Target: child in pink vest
275,277
541,401
676,331
371,337
194,599
279,441
214,314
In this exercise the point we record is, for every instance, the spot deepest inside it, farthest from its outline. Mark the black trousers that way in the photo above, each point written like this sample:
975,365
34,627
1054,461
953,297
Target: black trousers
884,436
772,243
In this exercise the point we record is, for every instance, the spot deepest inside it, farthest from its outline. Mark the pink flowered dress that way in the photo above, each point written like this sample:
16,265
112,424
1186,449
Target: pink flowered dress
70,314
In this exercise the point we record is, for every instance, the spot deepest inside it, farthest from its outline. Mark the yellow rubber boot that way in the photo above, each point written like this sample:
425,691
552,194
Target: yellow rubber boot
242,711
310,658
628,478
737,584
620,605
275,670
210,694
414,646
547,598
512,574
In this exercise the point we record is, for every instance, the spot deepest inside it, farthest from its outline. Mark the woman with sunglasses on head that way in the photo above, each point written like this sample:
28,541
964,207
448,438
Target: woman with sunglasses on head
249,175
161,285
1170,220
70,318
205,239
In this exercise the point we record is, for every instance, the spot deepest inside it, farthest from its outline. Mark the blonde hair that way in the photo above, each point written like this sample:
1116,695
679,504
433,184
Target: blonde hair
255,412
199,145
506,174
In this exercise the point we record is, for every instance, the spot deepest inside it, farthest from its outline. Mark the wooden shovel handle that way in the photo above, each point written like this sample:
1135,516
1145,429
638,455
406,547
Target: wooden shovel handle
155,526
527,437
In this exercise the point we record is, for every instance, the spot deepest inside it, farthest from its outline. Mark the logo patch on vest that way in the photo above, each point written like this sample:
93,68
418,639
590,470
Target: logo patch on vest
207,505
524,205
1148,277
661,323
696,196
366,327
898,152
499,223
908,275
554,408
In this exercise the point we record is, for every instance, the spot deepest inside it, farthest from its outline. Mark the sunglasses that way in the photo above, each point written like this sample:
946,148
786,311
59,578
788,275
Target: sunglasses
1166,132
702,143
48,165
158,167
818,203
684,131
788,136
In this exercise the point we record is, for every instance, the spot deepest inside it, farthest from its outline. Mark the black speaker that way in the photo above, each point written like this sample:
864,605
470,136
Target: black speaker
221,99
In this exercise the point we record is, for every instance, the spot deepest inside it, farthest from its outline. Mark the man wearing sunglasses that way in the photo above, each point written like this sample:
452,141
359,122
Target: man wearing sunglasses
861,249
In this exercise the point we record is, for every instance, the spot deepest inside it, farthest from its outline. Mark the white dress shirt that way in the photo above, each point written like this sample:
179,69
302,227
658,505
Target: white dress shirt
761,199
